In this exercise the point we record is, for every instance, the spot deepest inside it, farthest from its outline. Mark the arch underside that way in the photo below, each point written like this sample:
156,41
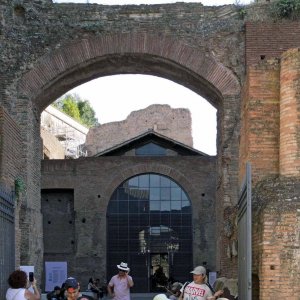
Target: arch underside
85,60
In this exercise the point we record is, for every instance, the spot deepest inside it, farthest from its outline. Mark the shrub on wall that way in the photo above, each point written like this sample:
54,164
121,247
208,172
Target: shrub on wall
286,9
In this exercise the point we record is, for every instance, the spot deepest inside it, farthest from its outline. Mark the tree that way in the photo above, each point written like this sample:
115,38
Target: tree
87,113
77,108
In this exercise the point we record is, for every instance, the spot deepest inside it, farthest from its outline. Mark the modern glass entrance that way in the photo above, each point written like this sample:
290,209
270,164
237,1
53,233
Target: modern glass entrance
149,226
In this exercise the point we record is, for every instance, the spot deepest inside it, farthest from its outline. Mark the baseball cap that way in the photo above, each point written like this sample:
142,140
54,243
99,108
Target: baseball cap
71,284
199,271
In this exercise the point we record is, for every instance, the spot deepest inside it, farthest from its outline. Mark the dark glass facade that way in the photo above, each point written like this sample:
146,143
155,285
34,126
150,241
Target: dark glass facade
149,224
150,149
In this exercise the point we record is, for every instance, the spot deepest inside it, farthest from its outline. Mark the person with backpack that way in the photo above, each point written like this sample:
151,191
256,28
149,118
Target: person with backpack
198,289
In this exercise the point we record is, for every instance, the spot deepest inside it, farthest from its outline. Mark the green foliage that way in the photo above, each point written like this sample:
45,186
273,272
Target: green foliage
77,108
240,9
20,187
87,114
286,9
70,108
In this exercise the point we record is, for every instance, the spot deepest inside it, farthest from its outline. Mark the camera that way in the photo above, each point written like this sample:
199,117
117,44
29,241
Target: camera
31,276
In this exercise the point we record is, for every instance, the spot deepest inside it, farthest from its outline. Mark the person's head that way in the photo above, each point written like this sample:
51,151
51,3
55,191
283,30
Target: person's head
123,269
57,290
17,279
72,288
199,274
159,269
91,280
160,297
175,287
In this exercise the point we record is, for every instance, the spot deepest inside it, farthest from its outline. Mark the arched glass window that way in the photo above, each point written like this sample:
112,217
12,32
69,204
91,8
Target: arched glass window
149,225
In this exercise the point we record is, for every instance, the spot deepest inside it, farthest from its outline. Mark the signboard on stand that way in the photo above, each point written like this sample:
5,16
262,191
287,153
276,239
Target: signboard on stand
55,274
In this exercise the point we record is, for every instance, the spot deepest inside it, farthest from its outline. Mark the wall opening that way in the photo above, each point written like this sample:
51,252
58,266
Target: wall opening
149,225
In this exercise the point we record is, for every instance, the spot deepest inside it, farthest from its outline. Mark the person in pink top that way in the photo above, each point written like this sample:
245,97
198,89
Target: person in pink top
119,286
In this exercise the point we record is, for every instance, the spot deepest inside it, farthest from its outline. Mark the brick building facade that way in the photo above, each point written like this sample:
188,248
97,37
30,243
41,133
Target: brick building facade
212,51
86,187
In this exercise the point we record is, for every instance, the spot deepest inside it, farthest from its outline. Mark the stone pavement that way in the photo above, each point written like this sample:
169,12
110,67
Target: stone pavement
143,296
134,296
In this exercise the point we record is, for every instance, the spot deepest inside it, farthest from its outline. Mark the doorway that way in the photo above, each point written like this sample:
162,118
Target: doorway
149,225
159,272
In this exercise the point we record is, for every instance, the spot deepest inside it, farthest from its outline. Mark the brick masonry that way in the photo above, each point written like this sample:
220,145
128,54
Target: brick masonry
259,139
46,49
173,123
10,140
290,113
92,182
187,43
10,168
276,244
269,140
267,40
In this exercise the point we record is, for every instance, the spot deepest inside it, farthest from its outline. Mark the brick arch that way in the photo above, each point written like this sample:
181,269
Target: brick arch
132,53
150,168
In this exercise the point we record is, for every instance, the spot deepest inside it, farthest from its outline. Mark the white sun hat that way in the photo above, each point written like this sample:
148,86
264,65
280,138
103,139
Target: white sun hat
123,266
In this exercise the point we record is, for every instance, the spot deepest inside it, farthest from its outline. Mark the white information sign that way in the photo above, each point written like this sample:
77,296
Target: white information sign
27,269
56,273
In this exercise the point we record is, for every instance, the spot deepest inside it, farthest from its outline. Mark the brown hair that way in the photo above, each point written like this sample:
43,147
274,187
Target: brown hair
17,279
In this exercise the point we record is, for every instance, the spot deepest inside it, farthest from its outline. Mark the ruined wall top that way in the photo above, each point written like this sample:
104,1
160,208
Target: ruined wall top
173,123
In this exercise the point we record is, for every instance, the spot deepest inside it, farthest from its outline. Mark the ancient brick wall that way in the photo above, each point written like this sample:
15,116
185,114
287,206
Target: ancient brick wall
173,123
10,167
93,181
269,140
47,49
259,137
268,40
269,110
276,224
70,44
290,113
269,128
10,141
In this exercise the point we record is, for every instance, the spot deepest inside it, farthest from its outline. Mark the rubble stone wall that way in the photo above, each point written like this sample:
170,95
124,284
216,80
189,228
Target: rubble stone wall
173,123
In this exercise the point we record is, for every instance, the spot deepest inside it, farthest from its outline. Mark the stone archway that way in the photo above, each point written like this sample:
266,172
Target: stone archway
86,59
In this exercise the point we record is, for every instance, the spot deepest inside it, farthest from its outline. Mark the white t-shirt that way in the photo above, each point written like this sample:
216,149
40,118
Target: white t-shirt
194,291
15,294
